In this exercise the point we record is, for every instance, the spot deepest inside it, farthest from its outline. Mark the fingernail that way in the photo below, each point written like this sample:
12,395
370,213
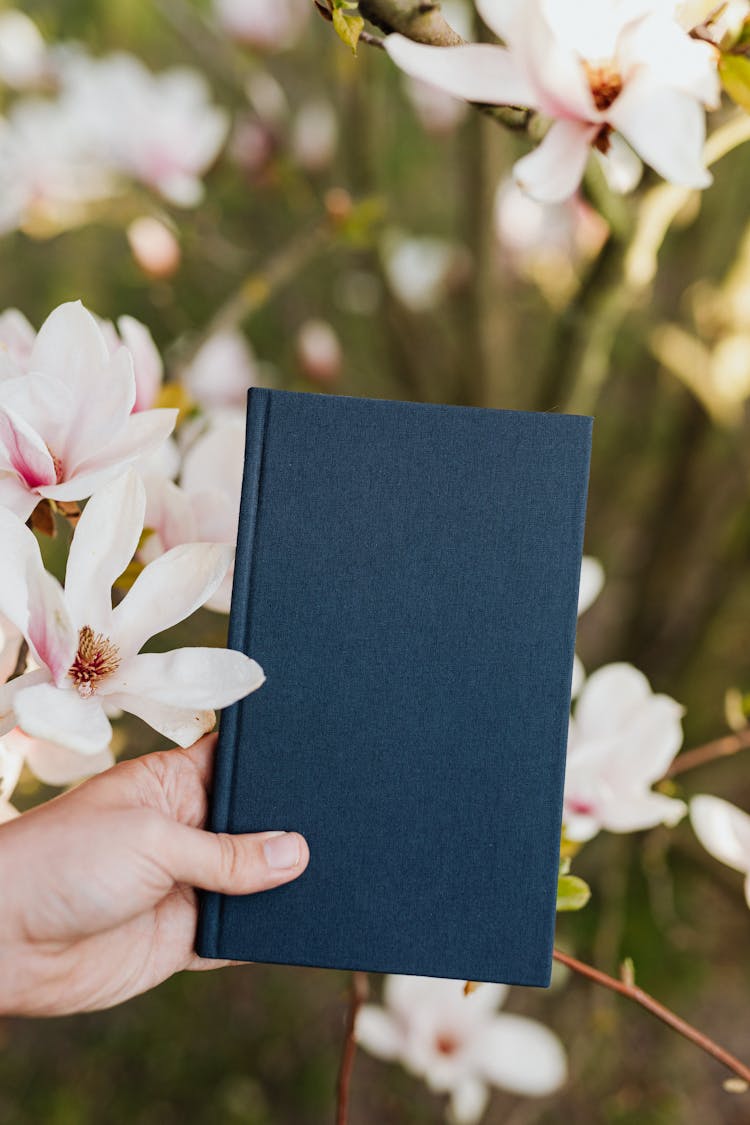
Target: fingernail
282,851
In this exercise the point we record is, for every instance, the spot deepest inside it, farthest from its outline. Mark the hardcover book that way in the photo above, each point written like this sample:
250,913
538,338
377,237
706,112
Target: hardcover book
407,576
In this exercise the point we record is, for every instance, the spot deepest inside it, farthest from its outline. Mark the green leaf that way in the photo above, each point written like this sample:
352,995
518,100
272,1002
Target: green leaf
572,892
734,71
348,23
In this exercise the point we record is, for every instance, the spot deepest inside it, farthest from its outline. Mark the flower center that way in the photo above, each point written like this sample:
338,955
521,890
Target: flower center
605,83
96,658
446,1044
58,466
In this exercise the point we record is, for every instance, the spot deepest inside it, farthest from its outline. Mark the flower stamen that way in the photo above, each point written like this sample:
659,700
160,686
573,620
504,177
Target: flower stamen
97,657
605,83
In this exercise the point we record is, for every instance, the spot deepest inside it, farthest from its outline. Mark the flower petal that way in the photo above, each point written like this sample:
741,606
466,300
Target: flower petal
53,764
61,715
666,128
52,637
203,678
168,590
521,1055
142,434
181,725
553,170
478,72
103,544
16,496
25,450
147,363
469,1101
613,694
723,829
70,345
631,812
8,694
378,1032
500,15
592,580
100,419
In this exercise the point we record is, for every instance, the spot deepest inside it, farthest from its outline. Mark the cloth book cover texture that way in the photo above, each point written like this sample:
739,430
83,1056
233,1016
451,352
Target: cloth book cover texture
407,576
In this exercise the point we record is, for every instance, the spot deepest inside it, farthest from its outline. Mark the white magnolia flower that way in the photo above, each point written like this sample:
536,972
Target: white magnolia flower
420,269
66,425
622,739
724,831
589,589
205,507
460,1044
11,764
319,351
160,129
595,67
315,134
266,26
88,654
221,371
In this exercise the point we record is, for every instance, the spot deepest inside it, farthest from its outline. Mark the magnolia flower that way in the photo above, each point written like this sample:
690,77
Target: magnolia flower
319,351
16,341
420,270
601,69
314,135
460,1044
206,504
66,426
269,27
724,831
160,129
622,739
438,112
88,654
11,764
221,371
154,246
590,586
23,52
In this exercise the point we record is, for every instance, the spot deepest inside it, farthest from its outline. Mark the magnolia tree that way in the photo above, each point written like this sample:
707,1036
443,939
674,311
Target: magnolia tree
121,462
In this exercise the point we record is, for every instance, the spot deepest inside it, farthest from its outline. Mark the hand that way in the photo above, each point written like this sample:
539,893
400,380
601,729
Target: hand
97,901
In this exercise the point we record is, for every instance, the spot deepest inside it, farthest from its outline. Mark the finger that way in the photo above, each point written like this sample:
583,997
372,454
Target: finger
233,865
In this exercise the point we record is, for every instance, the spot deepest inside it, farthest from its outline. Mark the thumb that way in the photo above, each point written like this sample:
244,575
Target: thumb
234,865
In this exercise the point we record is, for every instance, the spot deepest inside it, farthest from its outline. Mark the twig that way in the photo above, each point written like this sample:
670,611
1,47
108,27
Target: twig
633,992
23,655
719,748
359,992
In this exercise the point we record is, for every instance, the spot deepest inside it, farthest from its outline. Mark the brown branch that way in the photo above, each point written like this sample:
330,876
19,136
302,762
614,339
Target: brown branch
636,994
359,992
701,755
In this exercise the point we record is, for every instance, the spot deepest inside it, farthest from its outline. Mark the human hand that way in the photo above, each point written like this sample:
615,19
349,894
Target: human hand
97,900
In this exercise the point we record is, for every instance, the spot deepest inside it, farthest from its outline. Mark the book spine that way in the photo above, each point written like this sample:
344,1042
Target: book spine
209,918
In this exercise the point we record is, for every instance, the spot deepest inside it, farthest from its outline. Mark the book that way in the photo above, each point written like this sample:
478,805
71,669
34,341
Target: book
407,576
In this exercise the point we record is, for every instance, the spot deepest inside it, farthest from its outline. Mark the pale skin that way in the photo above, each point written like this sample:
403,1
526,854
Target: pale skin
98,901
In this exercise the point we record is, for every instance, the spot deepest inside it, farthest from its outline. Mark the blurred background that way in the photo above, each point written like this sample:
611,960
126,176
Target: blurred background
363,237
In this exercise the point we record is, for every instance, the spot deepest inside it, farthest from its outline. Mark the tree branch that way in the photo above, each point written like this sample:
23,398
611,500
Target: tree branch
359,992
701,755
628,988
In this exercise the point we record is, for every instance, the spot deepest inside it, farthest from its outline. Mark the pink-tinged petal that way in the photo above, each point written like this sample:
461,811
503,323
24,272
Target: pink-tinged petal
53,764
46,404
592,581
205,678
61,715
666,128
179,724
554,169
16,496
723,829
631,812
9,691
142,434
553,67
70,346
147,363
26,452
20,567
167,591
378,1032
478,72
102,415
214,464
521,1055
104,543
52,637
469,1101
581,826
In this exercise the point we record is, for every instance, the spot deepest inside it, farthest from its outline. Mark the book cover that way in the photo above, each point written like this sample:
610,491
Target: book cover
407,576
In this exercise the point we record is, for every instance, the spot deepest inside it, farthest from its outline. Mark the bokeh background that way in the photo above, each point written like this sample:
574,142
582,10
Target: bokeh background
437,291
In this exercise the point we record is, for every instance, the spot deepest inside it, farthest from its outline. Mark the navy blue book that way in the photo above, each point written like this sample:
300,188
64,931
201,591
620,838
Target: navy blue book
407,576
